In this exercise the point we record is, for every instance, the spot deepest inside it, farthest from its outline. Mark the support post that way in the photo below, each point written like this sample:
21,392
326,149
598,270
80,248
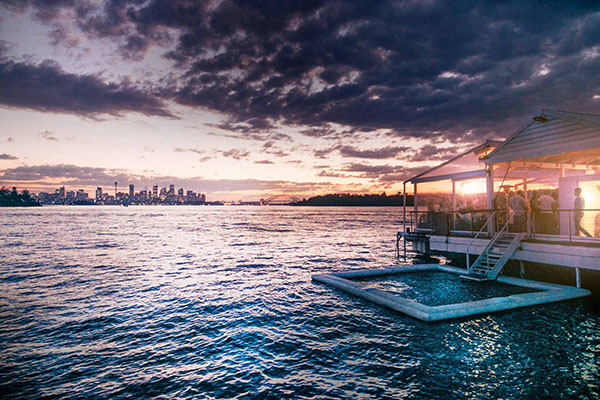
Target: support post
522,268
453,210
577,278
489,178
528,210
404,223
404,211
415,200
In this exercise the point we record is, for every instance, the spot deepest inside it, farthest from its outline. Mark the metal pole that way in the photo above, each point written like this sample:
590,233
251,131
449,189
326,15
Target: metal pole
453,204
489,178
569,216
522,268
404,211
577,277
415,197
471,224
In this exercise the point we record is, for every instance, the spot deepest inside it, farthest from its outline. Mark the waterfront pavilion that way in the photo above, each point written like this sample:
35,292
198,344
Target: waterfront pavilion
554,153
461,206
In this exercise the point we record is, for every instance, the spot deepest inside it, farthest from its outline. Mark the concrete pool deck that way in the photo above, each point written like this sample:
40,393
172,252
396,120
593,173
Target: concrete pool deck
548,293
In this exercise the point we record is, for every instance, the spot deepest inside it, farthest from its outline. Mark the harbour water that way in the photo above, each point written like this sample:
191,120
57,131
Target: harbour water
217,302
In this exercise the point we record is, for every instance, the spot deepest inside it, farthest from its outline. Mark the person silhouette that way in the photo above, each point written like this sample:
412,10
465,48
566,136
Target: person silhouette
579,206
520,207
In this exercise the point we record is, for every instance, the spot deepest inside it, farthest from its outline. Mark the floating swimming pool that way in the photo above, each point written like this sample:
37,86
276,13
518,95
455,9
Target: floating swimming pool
432,299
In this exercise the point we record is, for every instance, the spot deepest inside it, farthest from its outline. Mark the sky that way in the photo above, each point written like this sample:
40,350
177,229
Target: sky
248,99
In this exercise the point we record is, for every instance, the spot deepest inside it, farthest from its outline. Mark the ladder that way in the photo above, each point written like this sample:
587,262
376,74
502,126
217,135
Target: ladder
495,255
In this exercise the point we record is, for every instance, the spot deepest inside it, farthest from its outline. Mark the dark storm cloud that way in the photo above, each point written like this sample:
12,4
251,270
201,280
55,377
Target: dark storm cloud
236,154
271,148
436,69
386,174
430,152
353,152
45,87
5,156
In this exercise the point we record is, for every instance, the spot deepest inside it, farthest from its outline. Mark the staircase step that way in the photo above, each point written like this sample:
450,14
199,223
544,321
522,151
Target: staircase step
475,277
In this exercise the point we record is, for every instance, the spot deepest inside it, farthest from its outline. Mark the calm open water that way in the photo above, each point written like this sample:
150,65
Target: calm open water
217,302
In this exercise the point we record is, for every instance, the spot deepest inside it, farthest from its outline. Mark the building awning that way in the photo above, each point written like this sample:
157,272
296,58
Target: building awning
553,137
467,165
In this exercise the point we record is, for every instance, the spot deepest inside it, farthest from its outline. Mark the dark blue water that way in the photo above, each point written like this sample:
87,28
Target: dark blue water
207,302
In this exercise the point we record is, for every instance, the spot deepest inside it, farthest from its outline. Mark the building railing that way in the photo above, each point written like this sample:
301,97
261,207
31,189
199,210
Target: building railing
544,223
538,225
460,222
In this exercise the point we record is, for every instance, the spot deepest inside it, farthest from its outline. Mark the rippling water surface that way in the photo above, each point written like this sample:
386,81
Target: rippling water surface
217,302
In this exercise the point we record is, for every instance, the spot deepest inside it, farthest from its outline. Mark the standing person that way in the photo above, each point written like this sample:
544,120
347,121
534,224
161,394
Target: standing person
579,206
500,203
546,205
536,220
519,206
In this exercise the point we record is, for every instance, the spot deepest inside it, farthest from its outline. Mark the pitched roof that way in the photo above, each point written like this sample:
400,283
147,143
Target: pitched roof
550,133
473,166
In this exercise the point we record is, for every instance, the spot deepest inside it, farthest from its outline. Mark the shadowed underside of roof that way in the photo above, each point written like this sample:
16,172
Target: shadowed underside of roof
553,137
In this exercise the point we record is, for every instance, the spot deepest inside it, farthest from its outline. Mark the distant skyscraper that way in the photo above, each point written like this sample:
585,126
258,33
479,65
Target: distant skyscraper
61,192
98,193
155,191
172,190
115,189
131,187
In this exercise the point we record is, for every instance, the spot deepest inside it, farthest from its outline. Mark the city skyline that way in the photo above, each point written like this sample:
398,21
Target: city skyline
246,100
145,196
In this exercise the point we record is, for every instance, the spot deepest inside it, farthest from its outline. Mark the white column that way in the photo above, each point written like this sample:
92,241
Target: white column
415,196
453,215
489,177
528,228
404,211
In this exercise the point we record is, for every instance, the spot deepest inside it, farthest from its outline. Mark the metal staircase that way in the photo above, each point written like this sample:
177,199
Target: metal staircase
495,255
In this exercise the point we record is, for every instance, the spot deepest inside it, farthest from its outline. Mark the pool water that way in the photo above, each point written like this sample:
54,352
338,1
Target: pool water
440,288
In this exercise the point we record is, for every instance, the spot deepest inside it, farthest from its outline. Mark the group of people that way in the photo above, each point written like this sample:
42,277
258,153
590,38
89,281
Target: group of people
544,206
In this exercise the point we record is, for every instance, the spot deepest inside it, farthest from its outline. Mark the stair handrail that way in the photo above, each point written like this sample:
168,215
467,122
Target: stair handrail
477,235
505,227
495,238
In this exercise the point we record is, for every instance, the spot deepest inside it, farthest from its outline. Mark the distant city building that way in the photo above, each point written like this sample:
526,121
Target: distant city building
143,197
81,195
